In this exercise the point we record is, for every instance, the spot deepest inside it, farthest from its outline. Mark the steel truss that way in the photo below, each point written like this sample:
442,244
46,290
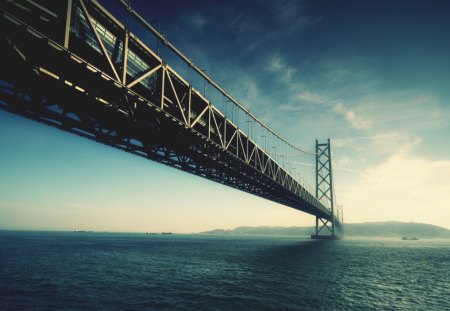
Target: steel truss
324,191
82,83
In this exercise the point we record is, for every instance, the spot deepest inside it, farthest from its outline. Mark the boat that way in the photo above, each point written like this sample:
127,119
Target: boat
166,233
409,239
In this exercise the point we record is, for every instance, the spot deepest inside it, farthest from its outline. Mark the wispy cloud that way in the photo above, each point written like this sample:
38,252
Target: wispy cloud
305,100
379,144
240,24
314,98
352,118
247,90
281,68
196,20
409,110
292,16
343,161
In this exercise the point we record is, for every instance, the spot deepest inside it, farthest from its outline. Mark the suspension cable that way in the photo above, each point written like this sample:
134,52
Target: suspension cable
164,40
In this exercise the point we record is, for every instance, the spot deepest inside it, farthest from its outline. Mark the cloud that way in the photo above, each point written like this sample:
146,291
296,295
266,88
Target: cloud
299,100
385,143
312,98
279,66
196,20
404,187
292,16
291,107
240,24
409,110
245,89
343,162
394,142
352,118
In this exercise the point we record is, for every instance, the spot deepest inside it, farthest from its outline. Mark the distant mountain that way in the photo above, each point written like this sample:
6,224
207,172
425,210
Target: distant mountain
395,229
367,229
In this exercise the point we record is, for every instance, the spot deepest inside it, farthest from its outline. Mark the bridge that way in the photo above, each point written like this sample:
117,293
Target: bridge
73,65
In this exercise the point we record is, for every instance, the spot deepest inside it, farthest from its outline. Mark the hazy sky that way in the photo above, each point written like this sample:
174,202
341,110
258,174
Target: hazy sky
373,76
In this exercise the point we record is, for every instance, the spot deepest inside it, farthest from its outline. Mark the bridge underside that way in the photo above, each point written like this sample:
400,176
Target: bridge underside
130,122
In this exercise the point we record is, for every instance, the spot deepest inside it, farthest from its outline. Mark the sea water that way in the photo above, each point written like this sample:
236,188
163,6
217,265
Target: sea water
114,271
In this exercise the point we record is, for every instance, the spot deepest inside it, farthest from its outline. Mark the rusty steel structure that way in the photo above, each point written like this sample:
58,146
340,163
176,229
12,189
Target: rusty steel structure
73,65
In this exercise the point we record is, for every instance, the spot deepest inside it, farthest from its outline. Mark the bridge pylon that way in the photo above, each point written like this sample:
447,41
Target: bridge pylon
325,227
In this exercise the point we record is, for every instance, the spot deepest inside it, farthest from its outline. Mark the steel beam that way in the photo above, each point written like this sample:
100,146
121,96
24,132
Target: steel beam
113,112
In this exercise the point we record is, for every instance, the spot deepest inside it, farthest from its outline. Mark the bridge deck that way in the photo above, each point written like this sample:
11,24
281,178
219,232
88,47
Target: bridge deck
130,100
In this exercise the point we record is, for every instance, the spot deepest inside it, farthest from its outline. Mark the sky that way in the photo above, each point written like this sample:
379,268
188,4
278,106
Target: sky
373,76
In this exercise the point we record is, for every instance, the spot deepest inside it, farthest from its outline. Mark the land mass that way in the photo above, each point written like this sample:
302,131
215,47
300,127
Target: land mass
367,229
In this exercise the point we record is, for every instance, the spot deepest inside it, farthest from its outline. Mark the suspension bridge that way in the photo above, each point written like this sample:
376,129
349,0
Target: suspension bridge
73,65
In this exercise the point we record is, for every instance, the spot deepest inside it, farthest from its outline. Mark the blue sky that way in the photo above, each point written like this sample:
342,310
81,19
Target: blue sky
371,75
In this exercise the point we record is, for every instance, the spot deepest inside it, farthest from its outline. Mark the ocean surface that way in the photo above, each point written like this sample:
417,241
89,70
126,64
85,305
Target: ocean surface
114,271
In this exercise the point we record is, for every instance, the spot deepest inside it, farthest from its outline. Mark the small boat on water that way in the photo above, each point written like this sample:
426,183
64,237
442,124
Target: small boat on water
166,233
409,239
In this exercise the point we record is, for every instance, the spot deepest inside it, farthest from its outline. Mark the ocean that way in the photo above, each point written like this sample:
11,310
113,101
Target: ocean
118,271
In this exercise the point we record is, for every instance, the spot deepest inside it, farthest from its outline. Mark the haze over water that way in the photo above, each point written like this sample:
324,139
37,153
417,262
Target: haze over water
195,272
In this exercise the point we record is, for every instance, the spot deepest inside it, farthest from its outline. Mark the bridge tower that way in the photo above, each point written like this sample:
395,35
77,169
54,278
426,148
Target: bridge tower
325,228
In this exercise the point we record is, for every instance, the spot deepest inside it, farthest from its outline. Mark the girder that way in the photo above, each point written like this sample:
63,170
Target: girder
84,72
